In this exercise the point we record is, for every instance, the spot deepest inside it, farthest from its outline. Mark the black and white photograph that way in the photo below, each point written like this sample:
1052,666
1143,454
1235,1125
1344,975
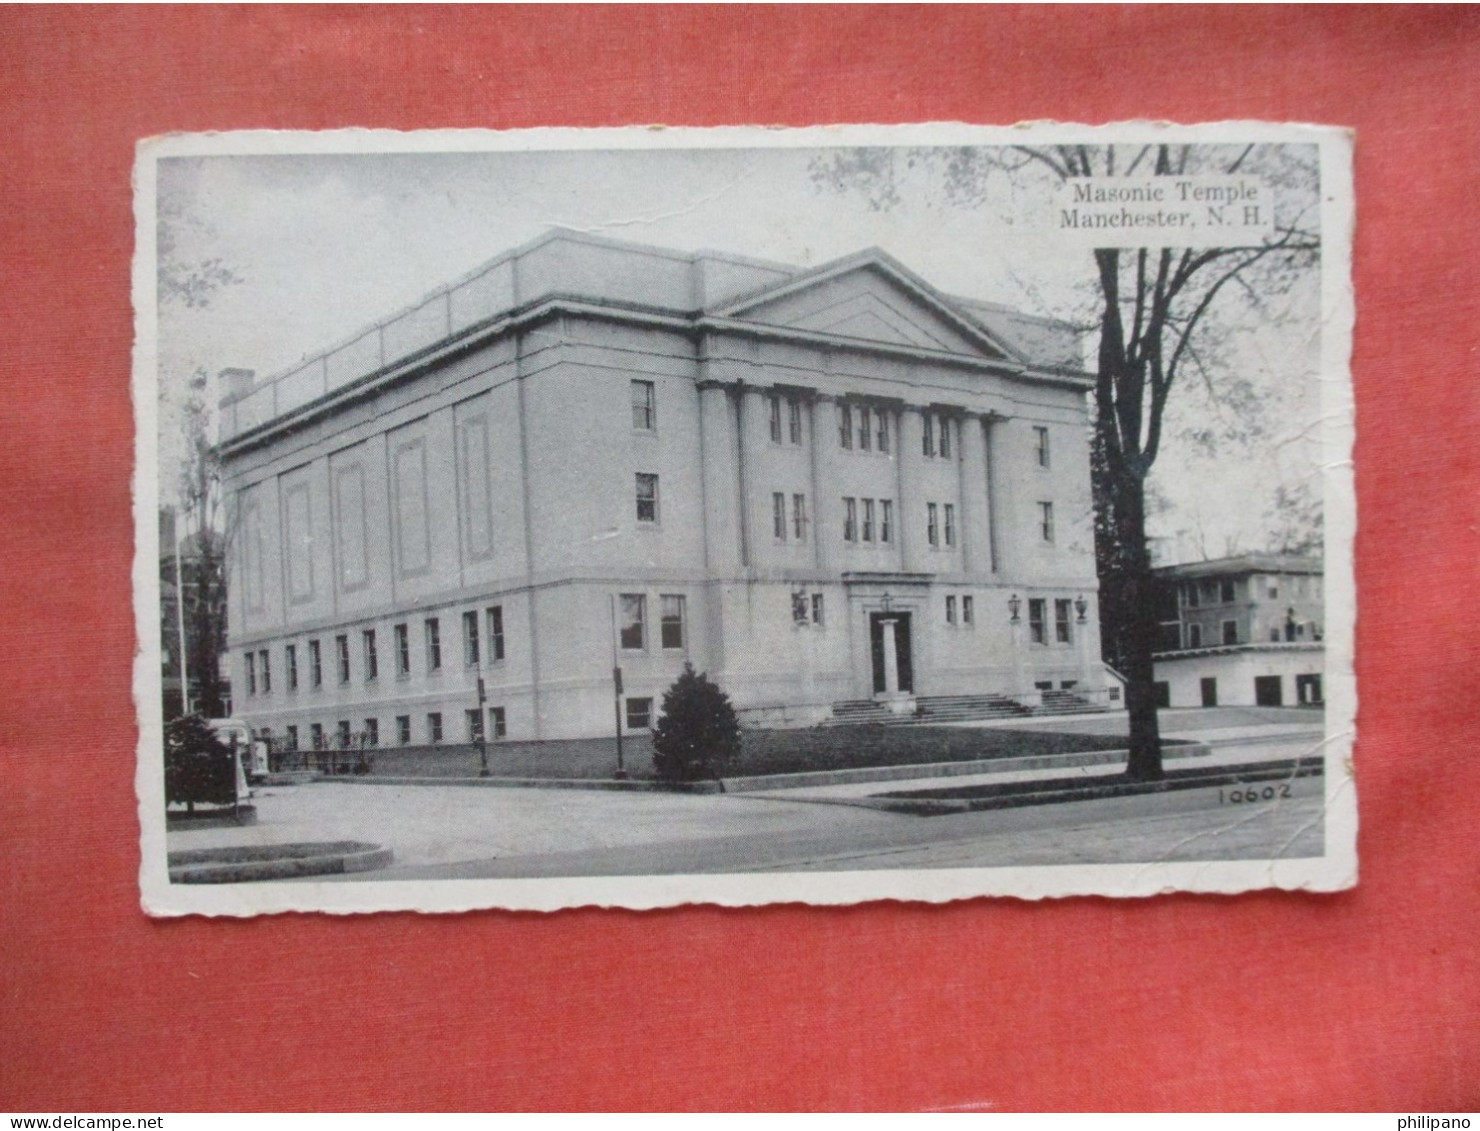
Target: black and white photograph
655,516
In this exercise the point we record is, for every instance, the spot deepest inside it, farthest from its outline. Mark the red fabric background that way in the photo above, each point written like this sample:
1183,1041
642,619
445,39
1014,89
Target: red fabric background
1369,999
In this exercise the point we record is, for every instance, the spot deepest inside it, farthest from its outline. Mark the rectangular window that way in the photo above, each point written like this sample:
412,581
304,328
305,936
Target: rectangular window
1274,636
868,520
1274,592
778,516
775,404
1230,632
967,613
251,673
883,435
403,729
315,664
1037,630
434,726
372,658
475,724
950,610
865,429
341,651
816,608
850,520
471,652
799,516
1225,591
496,633
670,628
799,607
434,645
794,412
1062,631
372,732
403,650
927,433
647,497
316,735
1040,439
639,714
945,437
1045,521
1191,594
290,658
500,727
932,524
845,426
644,418
634,621
266,665
292,737
345,737
1194,636
886,520
950,524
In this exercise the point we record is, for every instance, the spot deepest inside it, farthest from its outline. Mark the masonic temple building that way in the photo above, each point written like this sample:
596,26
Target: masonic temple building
825,487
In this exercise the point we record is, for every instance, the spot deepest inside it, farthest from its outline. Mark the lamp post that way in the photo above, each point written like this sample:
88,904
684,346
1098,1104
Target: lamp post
482,722
621,774
1014,608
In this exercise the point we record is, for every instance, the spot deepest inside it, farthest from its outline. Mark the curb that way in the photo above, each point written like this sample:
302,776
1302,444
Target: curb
918,803
179,822
805,780
630,785
354,857
812,778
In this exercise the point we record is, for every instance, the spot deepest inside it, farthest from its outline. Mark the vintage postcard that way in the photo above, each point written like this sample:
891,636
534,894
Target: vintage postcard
653,516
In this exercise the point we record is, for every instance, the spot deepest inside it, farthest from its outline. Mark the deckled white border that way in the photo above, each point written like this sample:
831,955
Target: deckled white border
1334,871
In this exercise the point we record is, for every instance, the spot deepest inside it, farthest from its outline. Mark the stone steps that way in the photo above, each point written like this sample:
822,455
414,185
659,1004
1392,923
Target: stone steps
958,708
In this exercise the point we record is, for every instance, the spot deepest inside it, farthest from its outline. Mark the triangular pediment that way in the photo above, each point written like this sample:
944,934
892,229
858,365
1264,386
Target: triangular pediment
868,299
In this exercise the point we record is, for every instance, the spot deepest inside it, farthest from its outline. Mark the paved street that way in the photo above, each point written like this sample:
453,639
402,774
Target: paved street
466,832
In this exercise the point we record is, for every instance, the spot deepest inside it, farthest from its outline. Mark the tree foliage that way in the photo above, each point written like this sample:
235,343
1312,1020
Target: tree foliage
204,534
198,766
188,282
1297,521
698,734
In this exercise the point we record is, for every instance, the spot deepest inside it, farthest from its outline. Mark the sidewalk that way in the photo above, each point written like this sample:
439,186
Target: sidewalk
1237,754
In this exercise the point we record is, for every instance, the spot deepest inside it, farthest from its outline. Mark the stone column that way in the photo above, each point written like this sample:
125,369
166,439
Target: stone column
911,517
1000,527
827,524
891,656
750,420
976,545
719,469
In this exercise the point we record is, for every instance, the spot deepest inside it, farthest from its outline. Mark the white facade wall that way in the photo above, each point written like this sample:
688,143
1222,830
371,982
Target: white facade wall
1235,672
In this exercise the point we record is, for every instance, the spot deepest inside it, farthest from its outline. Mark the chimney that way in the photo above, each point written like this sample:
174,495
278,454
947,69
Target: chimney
238,383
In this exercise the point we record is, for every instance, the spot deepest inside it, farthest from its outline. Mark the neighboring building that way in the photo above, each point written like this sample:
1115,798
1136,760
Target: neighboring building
816,485
1241,631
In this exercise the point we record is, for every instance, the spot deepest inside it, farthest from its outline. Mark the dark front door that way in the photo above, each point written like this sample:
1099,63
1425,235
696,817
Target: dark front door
1267,691
1210,691
902,653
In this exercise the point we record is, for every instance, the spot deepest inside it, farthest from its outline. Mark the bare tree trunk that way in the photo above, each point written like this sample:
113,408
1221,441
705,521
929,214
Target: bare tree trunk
1140,628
